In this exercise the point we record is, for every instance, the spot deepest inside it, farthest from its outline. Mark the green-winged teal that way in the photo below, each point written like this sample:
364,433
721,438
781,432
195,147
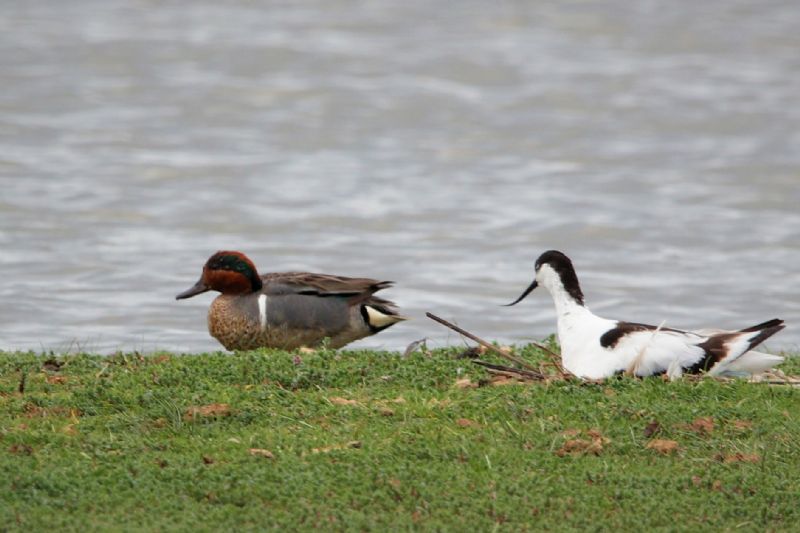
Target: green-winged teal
288,310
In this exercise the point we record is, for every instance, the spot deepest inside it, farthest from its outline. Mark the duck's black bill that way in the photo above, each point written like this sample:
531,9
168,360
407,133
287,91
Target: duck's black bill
524,294
194,290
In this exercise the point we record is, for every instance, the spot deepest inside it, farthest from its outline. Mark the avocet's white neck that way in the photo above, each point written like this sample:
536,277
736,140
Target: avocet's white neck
565,304
564,301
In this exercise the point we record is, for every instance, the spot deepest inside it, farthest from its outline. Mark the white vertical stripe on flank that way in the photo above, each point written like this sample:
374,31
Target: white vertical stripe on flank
262,311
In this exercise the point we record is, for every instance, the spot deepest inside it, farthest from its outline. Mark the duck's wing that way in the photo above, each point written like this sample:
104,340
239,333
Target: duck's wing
323,285
335,294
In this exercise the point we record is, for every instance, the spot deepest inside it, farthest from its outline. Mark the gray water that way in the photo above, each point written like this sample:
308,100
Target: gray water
441,145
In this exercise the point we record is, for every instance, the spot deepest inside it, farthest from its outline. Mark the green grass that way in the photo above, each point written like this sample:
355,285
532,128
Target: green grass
106,443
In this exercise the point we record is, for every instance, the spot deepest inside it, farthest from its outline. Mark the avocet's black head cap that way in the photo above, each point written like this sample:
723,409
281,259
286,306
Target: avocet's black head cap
562,265
557,261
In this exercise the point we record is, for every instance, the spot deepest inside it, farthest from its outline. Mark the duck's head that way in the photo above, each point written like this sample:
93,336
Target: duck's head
554,270
227,272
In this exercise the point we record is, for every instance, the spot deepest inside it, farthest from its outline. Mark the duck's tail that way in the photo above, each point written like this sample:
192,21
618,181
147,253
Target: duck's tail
379,314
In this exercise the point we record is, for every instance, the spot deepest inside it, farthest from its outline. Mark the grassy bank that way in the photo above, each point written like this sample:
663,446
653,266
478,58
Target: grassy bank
374,441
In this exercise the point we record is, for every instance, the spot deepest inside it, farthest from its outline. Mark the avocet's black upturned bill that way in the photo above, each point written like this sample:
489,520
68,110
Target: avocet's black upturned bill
593,347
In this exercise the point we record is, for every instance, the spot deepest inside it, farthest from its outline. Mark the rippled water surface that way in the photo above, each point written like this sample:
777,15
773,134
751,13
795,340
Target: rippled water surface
440,145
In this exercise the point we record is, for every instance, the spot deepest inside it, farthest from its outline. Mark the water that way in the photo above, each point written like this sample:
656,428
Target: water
443,146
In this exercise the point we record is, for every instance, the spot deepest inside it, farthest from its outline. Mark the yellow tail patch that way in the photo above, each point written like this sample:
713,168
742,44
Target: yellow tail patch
376,319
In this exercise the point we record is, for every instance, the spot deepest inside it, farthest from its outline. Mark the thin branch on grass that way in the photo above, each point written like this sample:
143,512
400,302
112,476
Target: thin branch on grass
510,371
555,359
535,372
499,351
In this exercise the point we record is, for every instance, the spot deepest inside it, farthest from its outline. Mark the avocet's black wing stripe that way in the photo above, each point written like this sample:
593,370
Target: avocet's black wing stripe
610,338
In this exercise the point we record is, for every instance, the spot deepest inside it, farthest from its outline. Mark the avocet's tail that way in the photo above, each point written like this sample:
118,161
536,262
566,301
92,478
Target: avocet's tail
752,363
732,350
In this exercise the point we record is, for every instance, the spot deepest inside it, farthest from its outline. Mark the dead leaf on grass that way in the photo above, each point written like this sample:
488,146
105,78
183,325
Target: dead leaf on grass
738,457
466,422
651,429
742,425
20,449
663,446
580,447
435,402
499,380
56,380
465,383
704,425
207,411
573,446
34,411
336,400
261,452
595,434
385,411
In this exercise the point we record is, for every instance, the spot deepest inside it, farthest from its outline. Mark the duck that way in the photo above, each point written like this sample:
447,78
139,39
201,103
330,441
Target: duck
596,348
288,310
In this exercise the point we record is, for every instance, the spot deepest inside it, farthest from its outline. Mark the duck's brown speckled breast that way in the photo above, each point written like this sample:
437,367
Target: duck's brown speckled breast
291,322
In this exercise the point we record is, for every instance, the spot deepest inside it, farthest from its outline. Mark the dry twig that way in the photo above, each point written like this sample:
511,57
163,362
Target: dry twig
510,371
555,360
500,351
529,371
